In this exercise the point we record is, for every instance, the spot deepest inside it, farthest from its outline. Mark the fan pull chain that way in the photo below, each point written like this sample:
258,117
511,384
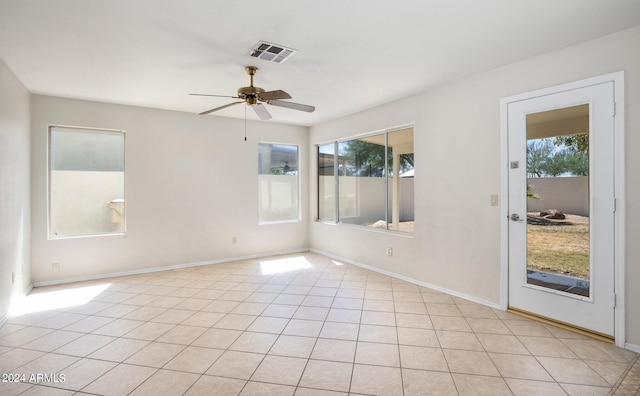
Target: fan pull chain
245,122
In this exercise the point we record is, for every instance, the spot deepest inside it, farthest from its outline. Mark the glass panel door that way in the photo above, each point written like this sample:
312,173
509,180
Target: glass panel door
561,200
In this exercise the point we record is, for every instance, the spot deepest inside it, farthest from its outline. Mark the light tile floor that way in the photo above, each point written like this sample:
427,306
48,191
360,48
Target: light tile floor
299,324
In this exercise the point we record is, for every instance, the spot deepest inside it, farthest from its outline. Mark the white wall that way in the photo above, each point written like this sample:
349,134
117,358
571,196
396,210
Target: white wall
456,244
191,185
15,249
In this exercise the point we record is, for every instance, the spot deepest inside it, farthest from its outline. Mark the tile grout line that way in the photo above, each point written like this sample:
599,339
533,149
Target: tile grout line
634,364
168,286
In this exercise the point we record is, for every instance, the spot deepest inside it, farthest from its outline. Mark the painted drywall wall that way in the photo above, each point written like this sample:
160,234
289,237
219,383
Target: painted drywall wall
15,220
191,185
456,244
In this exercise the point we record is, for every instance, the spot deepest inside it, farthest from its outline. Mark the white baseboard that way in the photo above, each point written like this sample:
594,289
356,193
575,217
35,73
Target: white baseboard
632,347
165,268
411,280
628,346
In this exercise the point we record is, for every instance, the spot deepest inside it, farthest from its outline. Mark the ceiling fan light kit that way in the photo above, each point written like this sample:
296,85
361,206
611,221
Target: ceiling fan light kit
253,96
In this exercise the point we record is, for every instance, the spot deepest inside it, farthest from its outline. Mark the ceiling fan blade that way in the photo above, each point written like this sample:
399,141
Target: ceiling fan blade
291,105
272,95
220,108
216,96
261,111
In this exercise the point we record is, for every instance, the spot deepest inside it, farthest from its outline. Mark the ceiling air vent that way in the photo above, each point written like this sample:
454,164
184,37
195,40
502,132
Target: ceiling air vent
273,53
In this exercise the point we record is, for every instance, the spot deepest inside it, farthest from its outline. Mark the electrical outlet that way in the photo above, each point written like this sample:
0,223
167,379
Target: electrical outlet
234,239
389,251
55,267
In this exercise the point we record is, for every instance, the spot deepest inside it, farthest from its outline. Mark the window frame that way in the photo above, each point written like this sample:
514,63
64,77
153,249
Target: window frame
49,159
335,184
336,219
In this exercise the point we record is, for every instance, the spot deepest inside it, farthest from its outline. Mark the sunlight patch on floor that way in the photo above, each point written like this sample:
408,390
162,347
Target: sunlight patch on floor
284,265
57,299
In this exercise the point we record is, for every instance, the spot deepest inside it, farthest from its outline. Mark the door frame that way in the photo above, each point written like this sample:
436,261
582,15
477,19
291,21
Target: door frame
617,110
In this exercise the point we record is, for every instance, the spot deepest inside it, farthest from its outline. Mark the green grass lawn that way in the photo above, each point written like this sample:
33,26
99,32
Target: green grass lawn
560,247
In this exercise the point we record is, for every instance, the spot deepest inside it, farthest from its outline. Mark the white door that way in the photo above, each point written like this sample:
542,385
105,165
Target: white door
563,269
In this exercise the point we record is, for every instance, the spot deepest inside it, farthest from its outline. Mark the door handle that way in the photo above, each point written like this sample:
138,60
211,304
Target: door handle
515,217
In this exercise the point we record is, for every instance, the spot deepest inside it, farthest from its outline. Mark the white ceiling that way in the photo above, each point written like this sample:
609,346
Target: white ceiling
353,54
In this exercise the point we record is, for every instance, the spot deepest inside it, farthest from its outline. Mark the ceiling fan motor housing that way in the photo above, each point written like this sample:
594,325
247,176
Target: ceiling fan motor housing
250,94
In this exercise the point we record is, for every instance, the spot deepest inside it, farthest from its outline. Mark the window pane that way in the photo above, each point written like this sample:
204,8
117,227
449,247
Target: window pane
368,193
401,162
278,183
326,182
86,182
361,181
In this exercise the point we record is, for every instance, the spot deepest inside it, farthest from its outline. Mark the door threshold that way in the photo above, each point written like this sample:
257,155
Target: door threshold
562,325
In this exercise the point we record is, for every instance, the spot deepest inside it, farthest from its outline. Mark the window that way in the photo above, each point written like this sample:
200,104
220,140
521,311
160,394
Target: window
86,182
278,183
372,177
326,182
